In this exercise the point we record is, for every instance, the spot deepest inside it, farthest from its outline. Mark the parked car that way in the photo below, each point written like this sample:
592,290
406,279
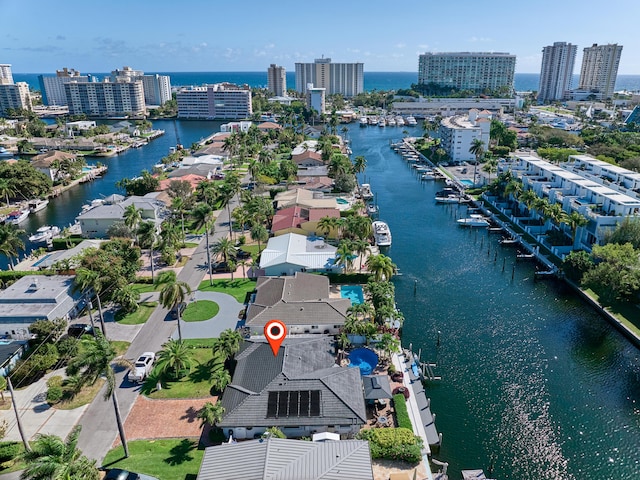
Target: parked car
241,254
118,474
178,309
79,329
142,367
220,267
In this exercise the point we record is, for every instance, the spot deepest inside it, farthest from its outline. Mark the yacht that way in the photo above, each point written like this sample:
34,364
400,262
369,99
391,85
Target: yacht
391,122
381,233
382,122
5,153
372,120
37,204
363,121
372,209
44,234
411,121
474,220
17,216
400,121
365,191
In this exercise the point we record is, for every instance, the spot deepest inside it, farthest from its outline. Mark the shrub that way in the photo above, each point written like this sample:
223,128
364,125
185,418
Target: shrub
393,444
54,381
54,394
402,415
9,451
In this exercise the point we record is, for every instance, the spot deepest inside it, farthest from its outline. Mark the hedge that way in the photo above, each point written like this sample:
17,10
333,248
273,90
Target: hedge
9,451
402,414
393,444
65,243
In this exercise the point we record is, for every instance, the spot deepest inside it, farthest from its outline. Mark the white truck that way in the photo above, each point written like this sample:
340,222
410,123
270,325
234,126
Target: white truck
142,367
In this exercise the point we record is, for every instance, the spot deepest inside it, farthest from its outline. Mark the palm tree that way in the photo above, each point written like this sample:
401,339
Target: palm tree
95,362
225,249
6,189
90,282
260,234
173,293
203,217
528,197
210,413
388,344
174,358
220,379
53,458
361,247
178,205
10,241
381,267
228,189
359,164
228,344
490,166
575,221
132,217
477,149
344,255
326,224
147,238
513,188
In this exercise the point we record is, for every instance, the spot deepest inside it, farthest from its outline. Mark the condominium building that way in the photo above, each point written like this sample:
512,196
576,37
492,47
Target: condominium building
277,80
105,98
218,101
346,79
475,71
556,71
6,77
52,88
157,88
316,99
600,68
14,96
458,133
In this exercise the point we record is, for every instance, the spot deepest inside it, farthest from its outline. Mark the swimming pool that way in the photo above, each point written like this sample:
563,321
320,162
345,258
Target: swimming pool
86,169
466,182
353,293
342,201
42,260
365,359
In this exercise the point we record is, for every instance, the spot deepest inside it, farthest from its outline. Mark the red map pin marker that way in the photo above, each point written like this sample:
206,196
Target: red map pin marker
275,331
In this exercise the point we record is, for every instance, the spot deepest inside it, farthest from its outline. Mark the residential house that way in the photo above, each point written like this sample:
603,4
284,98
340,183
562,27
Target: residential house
10,353
302,302
48,163
303,198
287,459
300,390
72,129
33,298
308,158
300,220
290,253
266,127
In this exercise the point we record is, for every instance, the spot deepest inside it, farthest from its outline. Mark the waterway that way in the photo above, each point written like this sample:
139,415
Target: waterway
533,381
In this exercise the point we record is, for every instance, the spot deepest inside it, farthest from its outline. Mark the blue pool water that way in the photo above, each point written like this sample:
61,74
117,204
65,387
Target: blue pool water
365,359
342,201
41,260
86,169
353,293
466,182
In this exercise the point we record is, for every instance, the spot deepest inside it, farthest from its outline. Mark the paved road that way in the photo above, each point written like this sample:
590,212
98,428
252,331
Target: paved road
99,429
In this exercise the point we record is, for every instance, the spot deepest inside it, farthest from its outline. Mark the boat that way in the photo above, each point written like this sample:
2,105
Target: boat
372,209
44,234
508,241
382,122
474,475
365,191
381,233
451,198
473,220
373,120
363,121
391,121
399,121
5,153
411,121
17,216
429,175
37,204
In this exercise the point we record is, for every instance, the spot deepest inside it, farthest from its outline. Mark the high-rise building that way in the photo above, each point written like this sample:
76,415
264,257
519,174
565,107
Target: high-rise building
52,88
14,95
556,71
218,101
346,79
316,99
277,80
157,88
476,71
6,77
105,98
600,68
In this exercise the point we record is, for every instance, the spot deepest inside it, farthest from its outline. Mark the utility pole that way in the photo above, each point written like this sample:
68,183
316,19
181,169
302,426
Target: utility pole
27,447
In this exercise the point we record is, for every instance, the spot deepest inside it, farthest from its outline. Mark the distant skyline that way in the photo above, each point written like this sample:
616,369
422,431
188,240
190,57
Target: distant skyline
198,35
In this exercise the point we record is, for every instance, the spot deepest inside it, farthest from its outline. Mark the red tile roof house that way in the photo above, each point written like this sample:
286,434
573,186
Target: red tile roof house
300,220
308,158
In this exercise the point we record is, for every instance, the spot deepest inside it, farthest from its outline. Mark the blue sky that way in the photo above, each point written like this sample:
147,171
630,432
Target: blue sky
196,35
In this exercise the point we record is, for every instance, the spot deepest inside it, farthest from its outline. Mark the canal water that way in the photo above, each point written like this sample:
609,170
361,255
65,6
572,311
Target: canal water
534,382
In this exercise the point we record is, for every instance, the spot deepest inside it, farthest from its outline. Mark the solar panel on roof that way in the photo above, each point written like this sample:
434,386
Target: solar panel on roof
272,405
294,404
304,403
315,403
283,403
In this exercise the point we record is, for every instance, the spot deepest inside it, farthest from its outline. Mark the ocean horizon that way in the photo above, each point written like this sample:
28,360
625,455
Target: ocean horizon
523,82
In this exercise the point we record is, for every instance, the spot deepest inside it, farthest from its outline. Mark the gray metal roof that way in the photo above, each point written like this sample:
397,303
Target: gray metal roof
285,459
305,364
376,387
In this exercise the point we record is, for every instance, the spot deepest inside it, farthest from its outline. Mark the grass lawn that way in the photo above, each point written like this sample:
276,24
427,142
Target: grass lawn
237,288
141,315
120,346
252,248
86,396
145,287
190,245
200,310
175,459
625,312
194,385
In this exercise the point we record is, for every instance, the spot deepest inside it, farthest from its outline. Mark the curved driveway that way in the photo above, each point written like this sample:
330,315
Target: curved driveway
226,318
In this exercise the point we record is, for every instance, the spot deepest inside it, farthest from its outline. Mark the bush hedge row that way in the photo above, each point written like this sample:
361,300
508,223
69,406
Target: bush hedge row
393,444
402,414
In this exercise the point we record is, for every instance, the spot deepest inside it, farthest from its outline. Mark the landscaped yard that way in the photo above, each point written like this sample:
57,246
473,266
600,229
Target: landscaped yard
141,315
175,459
145,287
200,310
86,396
196,384
237,288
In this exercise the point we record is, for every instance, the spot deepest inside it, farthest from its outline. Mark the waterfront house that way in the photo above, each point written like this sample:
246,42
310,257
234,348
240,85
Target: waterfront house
308,158
36,297
297,219
302,302
304,198
72,129
300,390
287,459
48,163
266,127
290,253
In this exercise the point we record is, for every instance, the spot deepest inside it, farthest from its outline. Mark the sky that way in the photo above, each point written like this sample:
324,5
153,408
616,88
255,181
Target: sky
41,36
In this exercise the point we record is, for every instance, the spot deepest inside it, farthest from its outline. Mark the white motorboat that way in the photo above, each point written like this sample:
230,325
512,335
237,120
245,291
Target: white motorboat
382,122
17,216
400,121
411,121
372,120
365,191
391,121
474,220
37,204
44,234
381,233
5,153
428,175
363,121
450,199
372,209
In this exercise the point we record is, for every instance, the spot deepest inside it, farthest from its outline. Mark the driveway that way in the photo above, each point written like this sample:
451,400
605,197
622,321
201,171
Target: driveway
226,318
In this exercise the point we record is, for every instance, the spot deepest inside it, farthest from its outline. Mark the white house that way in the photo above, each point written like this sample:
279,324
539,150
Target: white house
292,253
